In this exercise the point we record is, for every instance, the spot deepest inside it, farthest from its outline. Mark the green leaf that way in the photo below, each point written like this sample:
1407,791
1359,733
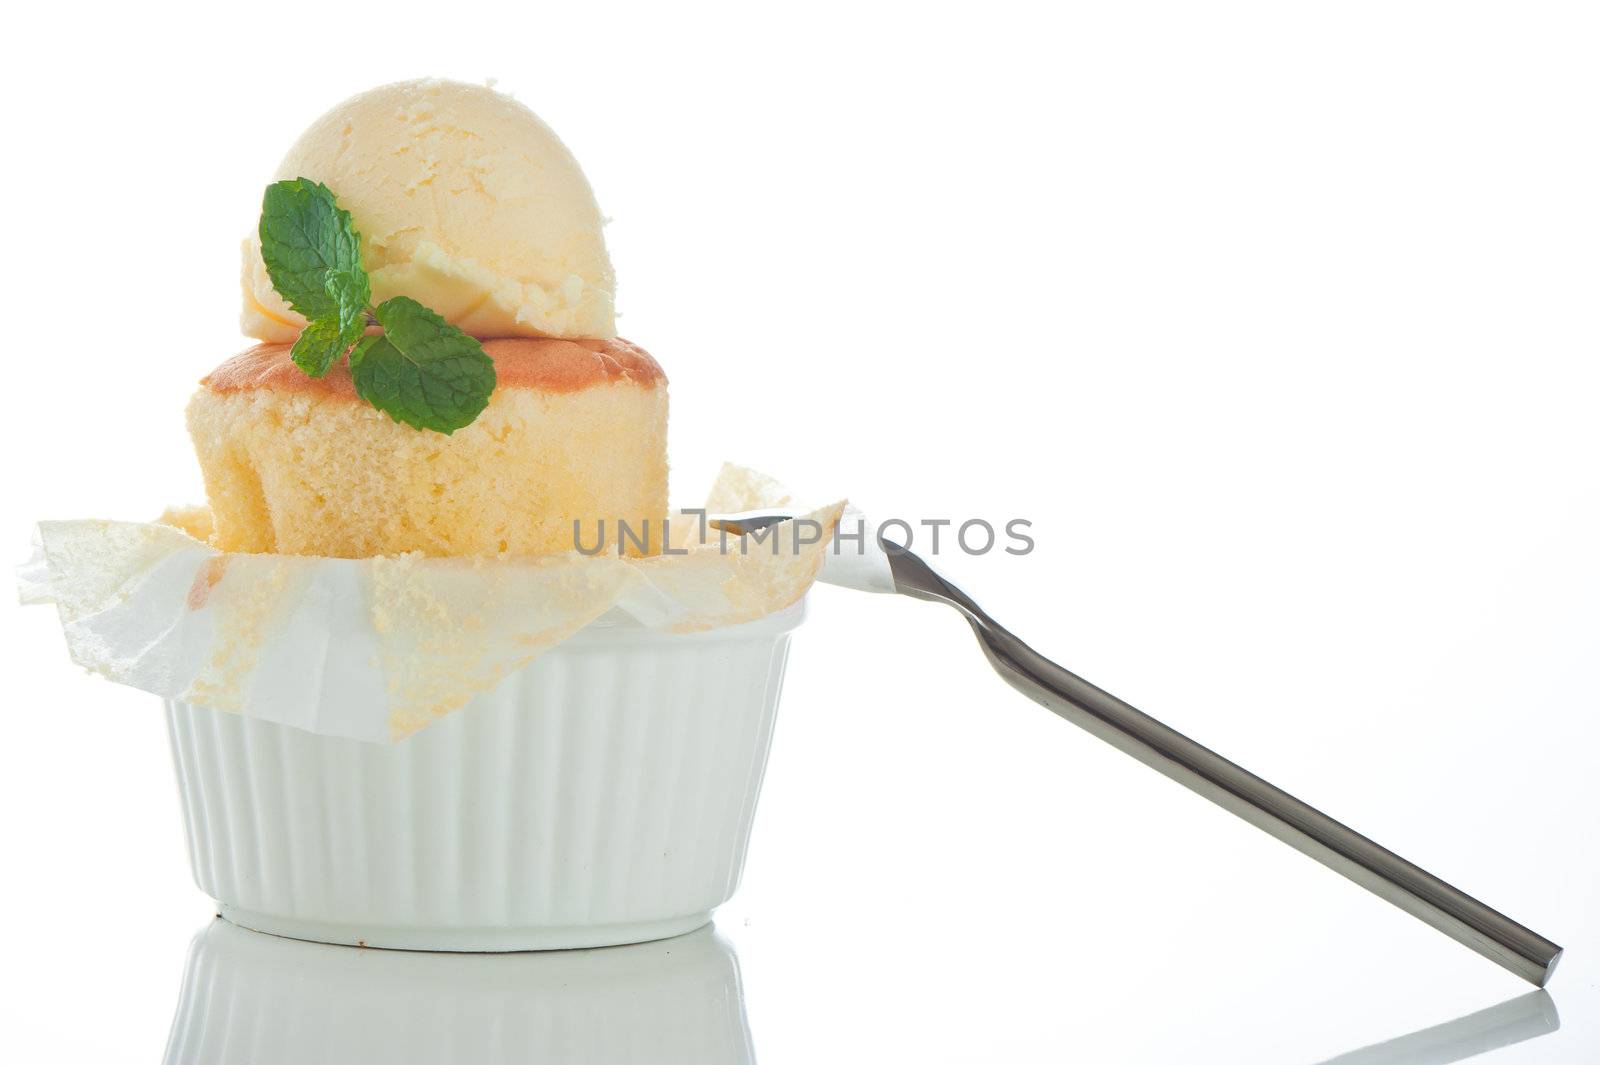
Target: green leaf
325,339
305,236
350,290
423,371
359,352
318,346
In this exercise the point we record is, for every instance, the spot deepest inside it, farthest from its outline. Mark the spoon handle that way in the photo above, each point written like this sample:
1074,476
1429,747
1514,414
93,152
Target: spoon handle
1269,808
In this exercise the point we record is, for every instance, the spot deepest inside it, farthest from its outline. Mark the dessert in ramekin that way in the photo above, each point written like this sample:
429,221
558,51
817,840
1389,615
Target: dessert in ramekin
438,675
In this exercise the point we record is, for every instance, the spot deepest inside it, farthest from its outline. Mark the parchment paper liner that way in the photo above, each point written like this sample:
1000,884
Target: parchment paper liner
375,649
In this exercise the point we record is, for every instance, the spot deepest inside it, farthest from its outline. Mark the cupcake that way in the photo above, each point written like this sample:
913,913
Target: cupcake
575,433
465,202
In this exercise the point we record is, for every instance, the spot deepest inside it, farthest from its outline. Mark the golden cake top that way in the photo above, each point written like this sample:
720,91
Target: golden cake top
544,364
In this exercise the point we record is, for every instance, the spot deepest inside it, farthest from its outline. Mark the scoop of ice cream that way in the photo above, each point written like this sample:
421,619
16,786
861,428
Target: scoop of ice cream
466,202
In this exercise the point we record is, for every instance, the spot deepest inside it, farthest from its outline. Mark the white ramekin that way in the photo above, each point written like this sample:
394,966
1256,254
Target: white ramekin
255,998
602,795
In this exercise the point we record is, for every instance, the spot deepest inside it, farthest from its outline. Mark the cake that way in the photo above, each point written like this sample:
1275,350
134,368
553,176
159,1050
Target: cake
575,432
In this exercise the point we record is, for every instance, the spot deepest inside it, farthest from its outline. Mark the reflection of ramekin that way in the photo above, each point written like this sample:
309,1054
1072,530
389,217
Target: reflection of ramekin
602,795
255,998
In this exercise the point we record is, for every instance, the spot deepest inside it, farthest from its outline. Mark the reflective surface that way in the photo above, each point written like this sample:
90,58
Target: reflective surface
1513,1021
250,997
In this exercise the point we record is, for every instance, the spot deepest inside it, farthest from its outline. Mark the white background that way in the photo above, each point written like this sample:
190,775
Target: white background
1278,321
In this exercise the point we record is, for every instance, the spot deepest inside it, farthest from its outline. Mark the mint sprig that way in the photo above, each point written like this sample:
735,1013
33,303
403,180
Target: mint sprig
422,371
305,236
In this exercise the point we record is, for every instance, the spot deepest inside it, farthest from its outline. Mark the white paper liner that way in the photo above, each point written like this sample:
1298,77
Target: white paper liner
375,649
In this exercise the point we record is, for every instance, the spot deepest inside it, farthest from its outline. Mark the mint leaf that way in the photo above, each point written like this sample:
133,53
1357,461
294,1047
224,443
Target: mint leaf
359,352
325,339
423,371
305,236
318,346
350,290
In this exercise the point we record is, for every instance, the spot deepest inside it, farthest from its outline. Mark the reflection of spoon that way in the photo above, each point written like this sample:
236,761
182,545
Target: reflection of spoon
250,997
1512,1021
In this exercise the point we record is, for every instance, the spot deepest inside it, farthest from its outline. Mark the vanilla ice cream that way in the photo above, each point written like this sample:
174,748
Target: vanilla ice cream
466,202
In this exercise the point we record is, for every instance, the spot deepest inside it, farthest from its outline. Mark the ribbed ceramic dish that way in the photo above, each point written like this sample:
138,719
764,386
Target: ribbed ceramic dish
602,795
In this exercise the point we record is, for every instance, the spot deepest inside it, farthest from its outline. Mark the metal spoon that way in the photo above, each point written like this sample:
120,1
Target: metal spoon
1345,851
